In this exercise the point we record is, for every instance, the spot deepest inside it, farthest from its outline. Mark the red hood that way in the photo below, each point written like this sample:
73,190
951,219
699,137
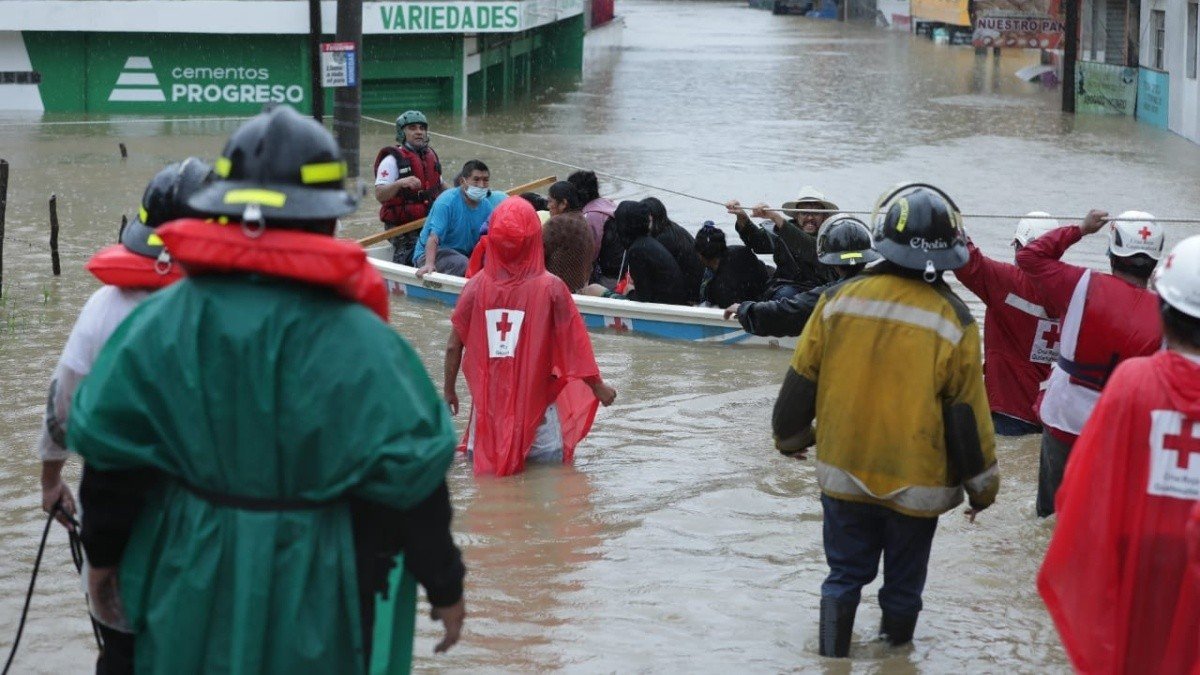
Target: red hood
1180,377
514,249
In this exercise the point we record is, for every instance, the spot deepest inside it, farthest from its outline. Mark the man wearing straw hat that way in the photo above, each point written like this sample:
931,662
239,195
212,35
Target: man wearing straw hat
792,242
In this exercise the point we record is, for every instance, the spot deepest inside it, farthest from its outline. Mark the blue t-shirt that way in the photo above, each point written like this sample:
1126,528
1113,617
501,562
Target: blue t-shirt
456,225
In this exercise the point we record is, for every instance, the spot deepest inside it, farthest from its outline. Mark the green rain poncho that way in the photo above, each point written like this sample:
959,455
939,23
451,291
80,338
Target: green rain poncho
260,388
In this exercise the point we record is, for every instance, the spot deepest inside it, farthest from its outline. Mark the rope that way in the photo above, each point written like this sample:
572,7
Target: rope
624,179
76,558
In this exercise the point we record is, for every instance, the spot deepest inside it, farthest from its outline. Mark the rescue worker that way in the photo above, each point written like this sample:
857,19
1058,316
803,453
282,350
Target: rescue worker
1116,578
896,341
844,243
242,510
792,242
130,271
408,177
1106,318
1020,339
529,364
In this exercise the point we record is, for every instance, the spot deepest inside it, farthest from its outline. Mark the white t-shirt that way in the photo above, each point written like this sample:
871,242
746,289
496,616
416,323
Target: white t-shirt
100,316
388,171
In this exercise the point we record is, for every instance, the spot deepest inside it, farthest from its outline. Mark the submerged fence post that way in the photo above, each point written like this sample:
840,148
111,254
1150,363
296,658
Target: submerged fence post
54,266
3,206
124,152
121,232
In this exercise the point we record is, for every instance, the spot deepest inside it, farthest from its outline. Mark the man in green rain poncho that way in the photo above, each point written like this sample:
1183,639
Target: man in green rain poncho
260,446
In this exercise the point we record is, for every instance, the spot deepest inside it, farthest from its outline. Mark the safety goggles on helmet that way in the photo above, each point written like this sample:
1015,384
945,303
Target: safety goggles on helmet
1135,232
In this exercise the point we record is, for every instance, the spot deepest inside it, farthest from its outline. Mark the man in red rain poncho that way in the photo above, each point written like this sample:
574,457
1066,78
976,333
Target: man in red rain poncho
1116,576
529,365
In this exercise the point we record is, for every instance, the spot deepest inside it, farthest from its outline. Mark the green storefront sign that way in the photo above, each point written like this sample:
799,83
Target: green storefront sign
179,74
449,17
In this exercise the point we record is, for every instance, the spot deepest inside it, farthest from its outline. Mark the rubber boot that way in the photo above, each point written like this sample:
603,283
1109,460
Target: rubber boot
837,624
897,629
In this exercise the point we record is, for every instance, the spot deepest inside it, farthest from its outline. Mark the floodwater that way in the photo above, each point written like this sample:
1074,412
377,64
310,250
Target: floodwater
680,541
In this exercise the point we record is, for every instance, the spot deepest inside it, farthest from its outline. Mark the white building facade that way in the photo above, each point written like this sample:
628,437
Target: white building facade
1168,43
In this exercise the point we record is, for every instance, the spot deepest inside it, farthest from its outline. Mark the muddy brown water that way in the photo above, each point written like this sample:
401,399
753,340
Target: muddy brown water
680,541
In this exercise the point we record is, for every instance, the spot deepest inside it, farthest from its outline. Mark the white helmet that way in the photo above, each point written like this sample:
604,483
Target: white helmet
1032,226
1178,280
1136,232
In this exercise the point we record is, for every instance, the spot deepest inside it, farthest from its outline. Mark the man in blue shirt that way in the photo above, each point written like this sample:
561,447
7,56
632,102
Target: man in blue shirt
454,222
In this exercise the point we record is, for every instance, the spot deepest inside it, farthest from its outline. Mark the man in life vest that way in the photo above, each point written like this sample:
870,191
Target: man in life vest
792,242
130,271
529,365
408,177
896,341
1106,318
1020,339
1116,577
844,243
250,474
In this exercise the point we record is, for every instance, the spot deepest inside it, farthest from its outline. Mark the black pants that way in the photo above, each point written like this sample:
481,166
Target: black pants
117,656
1050,472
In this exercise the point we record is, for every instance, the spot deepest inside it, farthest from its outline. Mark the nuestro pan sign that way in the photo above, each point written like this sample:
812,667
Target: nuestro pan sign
1017,23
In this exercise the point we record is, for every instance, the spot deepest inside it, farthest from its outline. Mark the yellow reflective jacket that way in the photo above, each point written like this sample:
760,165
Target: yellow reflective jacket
886,354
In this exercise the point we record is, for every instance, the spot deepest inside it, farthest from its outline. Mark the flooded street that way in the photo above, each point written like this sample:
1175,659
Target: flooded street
680,541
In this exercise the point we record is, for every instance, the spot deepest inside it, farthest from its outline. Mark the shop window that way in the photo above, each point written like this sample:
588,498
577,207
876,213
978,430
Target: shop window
1191,40
1158,20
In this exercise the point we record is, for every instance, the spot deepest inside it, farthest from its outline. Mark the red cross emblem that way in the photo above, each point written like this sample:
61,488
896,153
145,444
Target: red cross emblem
1184,445
1170,259
503,326
1051,336
384,173
1145,233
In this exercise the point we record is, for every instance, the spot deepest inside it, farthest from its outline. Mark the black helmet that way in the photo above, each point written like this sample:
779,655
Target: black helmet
165,199
845,241
284,163
918,227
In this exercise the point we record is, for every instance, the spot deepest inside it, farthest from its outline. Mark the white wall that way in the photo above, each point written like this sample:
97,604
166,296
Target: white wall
14,58
1184,111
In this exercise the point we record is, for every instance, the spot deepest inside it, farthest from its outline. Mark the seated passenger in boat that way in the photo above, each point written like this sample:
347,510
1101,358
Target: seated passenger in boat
566,238
654,274
680,244
454,223
597,211
734,273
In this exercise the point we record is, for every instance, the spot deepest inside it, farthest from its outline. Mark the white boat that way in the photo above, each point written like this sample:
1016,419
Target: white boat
670,322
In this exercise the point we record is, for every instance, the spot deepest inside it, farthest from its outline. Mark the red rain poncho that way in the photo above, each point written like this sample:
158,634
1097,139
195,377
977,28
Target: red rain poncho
526,346
1116,577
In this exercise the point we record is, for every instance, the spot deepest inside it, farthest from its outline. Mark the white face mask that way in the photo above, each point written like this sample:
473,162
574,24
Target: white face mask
476,194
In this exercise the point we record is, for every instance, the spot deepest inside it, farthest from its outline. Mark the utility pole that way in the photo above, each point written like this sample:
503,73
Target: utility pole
1070,54
347,101
314,60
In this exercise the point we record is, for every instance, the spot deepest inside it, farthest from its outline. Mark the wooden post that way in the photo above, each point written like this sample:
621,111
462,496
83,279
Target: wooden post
314,60
1070,54
54,265
347,101
121,232
3,207
124,152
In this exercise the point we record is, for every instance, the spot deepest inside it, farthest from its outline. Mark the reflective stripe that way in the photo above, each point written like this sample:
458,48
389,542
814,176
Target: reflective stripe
850,254
222,167
324,172
252,196
894,311
903,220
142,215
1014,300
985,480
915,498
154,239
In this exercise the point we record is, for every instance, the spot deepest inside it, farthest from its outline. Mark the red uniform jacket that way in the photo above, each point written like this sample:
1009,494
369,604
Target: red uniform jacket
1116,577
1020,339
526,346
1104,321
